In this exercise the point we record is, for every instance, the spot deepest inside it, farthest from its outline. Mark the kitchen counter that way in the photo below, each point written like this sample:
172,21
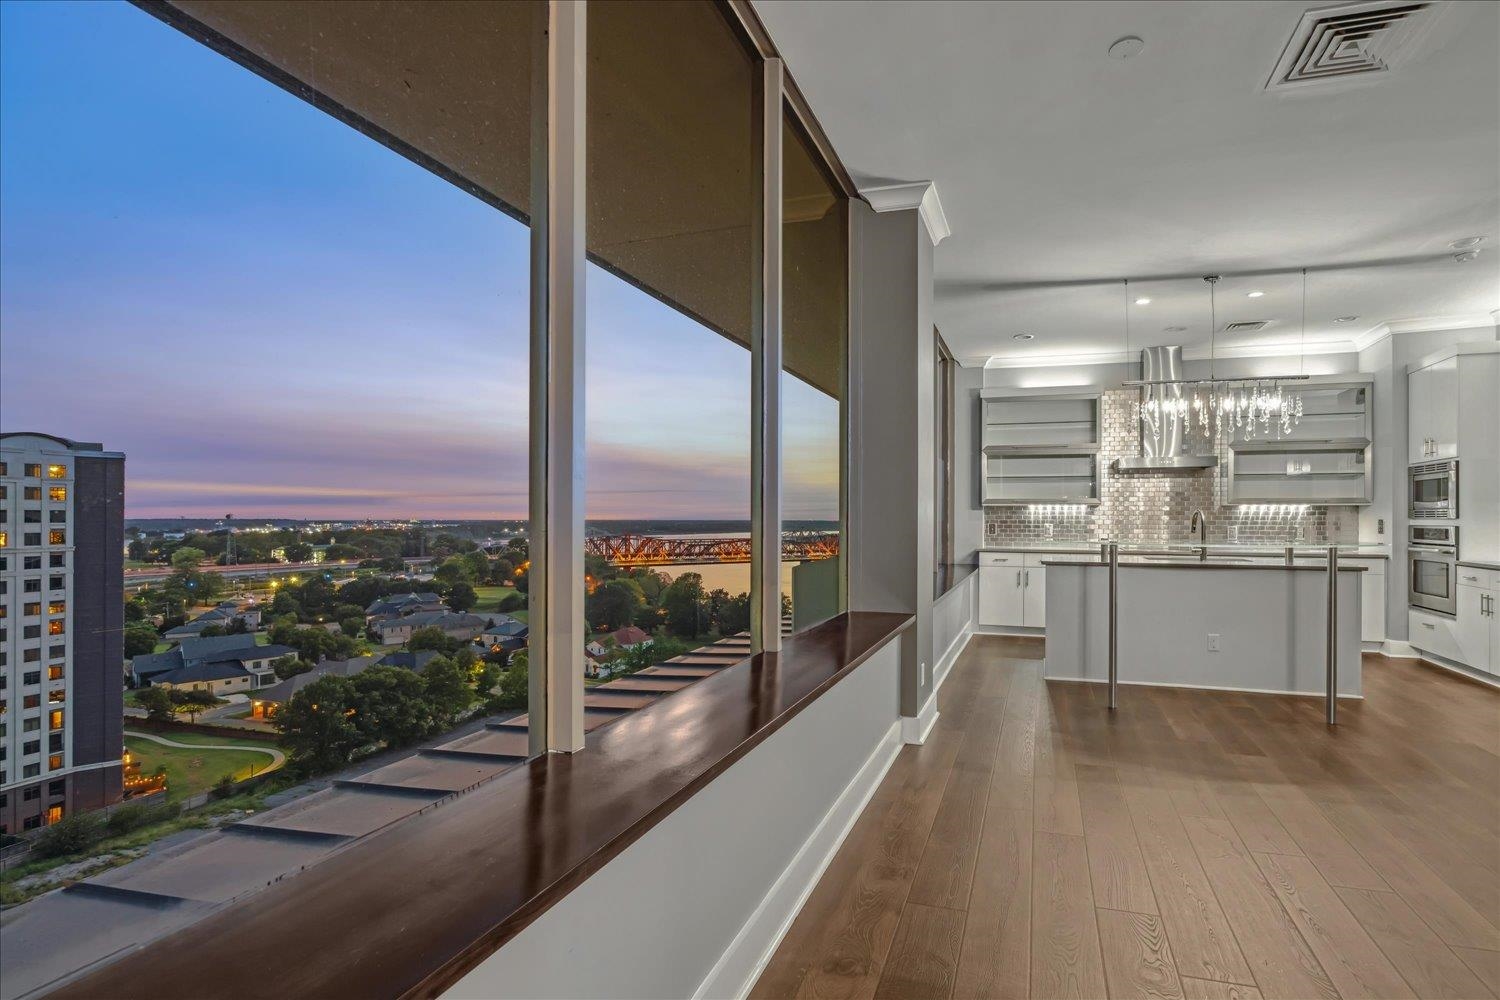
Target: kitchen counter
1305,550
1479,564
1243,627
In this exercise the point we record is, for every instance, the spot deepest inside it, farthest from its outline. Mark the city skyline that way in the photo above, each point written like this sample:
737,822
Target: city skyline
155,193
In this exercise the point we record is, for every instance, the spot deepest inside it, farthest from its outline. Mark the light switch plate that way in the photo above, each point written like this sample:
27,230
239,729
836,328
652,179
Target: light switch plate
1213,642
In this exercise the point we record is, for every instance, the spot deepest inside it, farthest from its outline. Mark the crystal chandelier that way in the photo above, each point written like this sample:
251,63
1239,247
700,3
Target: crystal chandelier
1219,410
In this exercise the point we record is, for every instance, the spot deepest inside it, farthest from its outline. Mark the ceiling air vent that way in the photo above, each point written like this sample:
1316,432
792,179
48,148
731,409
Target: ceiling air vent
1246,326
1349,40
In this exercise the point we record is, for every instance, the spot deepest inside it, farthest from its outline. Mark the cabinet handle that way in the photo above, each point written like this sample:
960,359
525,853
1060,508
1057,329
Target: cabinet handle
1028,578
1018,578
1428,625
1472,579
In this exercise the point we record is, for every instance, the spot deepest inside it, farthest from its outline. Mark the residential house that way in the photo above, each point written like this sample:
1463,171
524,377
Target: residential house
416,660
239,650
225,615
266,702
630,637
395,631
399,605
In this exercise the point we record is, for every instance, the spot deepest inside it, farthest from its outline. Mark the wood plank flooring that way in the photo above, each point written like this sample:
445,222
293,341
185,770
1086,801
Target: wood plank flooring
1189,845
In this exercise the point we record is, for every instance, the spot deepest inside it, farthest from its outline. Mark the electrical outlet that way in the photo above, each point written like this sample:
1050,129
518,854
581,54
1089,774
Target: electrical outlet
1234,532
1048,526
1213,642
1380,526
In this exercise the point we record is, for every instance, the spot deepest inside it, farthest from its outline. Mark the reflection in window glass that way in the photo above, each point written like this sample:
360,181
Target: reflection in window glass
673,188
304,319
814,350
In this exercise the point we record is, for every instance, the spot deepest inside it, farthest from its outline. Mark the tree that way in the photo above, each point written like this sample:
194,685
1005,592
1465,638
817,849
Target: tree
135,610
297,552
391,706
477,562
69,835
191,702
352,625
683,603
318,727
445,686
287,667
512,602
140,638
502,569
614,604
157,702
734,615
432,637
462,597
515,687
188,558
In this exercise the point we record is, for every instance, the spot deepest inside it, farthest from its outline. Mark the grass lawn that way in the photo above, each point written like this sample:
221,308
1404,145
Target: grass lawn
190,772
490,598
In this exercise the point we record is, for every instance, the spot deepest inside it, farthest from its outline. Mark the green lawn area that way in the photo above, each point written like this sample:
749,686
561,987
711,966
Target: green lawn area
490,598
190,772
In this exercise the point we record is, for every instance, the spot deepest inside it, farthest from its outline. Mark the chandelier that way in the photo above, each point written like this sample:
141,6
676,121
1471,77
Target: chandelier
1219,410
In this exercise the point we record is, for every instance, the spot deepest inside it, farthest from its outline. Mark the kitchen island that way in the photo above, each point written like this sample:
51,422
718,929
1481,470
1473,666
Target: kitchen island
1216,624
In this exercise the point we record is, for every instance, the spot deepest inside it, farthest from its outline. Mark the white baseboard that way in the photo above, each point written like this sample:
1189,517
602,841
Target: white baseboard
914,728
736,971
1203,687
950,656
1020,631
1400,649
1453,667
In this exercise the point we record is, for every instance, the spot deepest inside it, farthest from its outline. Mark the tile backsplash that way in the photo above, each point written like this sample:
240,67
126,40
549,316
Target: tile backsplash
1145,506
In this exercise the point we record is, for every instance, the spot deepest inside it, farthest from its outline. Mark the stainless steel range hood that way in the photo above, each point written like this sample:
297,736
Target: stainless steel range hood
1164,447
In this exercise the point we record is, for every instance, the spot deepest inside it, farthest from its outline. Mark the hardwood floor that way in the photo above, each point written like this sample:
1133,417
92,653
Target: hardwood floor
1190,845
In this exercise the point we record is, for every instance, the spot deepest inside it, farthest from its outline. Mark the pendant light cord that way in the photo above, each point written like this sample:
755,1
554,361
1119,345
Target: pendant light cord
1302,363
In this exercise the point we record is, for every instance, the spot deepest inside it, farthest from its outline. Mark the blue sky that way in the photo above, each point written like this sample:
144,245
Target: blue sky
272,315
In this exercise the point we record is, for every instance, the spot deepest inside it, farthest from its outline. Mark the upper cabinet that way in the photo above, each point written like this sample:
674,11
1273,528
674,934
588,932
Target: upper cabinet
1040,446
1432,405
1323,459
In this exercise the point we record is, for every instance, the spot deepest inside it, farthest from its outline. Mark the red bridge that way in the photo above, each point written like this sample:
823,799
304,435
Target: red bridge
649,550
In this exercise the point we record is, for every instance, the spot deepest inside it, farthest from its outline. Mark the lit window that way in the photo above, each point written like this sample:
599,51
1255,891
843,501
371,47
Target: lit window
60,695
55,719
54,813
58,494
56,607
55,672
57,472
57,537
32,469
4,538
56,627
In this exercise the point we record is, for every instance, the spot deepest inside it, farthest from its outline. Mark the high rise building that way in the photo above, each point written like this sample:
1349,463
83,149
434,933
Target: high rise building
62,533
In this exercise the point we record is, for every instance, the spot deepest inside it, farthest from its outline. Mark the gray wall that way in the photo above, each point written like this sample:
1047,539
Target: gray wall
891,431
968,512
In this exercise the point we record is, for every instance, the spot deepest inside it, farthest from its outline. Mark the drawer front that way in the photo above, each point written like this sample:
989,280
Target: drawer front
1433,634
1000,559
1485,579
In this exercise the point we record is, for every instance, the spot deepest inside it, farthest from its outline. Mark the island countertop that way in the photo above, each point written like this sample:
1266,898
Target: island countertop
1189,563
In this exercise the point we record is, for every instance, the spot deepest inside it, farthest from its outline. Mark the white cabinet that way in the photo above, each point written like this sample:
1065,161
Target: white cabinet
1472,637
1012,590
1034,597
1432,406
1001,595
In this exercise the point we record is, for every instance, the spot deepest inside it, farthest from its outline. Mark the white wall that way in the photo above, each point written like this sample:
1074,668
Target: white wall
696,906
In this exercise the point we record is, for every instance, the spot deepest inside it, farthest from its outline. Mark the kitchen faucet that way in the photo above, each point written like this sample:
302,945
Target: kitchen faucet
1200,525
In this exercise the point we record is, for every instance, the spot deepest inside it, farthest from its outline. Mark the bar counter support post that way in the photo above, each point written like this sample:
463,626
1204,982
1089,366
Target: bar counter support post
1114,626
1333,635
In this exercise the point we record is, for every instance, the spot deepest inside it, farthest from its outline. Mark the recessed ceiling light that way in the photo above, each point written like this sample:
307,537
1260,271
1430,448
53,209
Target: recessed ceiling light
1022,336
1174,329
1466,242
1254,295
1126,47
1345,319
1143,301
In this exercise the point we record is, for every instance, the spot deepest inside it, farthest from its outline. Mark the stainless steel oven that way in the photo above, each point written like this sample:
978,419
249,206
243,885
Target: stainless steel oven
1432,568
1432,490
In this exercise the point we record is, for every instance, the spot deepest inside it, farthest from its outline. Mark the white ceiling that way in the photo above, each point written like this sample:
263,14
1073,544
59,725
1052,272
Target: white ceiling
1062,169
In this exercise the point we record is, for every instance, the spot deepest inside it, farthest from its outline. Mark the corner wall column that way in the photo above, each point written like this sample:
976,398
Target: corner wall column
765,387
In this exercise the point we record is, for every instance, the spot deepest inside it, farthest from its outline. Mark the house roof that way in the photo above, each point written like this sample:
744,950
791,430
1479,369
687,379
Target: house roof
259,653
630,636
394,602
201,649
439,619
206,670
282,693
414,661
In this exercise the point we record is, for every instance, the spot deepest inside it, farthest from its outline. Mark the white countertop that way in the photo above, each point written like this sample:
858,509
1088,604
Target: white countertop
1365,550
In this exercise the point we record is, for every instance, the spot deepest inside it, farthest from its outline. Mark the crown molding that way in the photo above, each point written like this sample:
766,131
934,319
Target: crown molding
1426,324
920,195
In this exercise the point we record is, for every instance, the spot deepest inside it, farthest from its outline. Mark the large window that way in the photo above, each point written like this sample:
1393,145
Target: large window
673,199
814,353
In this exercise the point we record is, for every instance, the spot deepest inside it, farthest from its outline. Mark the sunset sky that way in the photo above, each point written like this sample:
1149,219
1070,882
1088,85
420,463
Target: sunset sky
274,316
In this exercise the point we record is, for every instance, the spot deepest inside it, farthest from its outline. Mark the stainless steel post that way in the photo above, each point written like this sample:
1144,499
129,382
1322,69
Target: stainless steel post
1333,635
1114,625
1290,556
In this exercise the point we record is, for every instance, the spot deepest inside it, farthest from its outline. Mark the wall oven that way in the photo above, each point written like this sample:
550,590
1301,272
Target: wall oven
1432,490
1432,568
